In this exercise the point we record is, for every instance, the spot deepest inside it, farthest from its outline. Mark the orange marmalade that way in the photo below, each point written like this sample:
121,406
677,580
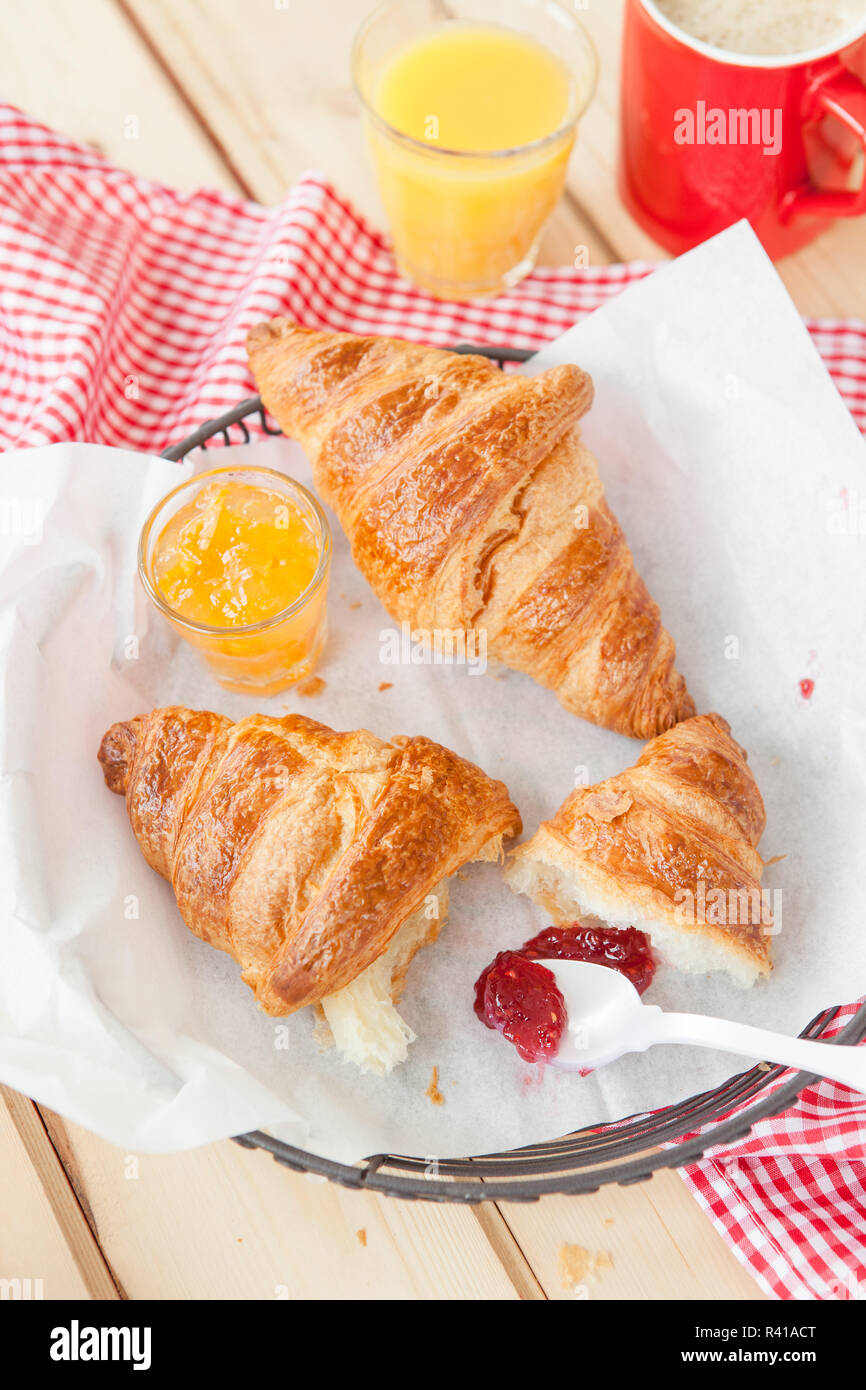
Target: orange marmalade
237,559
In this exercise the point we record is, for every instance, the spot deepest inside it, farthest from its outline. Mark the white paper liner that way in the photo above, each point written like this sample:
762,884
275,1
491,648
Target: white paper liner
737,474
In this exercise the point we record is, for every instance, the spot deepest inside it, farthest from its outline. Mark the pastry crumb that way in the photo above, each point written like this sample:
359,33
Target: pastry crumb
354,605
608,1221
386,685
433,1094
313,685
362,1235
579,1268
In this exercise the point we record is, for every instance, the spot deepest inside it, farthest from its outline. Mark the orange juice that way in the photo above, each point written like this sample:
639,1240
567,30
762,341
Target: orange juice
475,88
237,560
471,126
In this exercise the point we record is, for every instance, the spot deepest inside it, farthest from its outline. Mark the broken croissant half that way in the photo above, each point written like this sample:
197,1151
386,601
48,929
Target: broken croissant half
318,860
669,846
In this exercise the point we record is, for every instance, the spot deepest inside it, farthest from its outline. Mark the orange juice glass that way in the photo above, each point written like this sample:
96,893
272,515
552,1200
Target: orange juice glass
238,560
471,120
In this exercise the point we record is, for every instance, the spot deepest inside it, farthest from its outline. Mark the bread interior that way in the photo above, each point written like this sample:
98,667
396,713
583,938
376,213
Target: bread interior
362,1020
567,897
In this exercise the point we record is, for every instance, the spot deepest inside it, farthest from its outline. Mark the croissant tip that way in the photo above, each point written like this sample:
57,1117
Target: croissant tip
115,754
270,330
680,708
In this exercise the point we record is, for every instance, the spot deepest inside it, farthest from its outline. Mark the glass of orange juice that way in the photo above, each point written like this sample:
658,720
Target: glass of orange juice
238,560
471,120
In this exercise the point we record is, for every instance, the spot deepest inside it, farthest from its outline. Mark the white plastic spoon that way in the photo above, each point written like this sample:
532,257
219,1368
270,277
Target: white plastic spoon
607,1018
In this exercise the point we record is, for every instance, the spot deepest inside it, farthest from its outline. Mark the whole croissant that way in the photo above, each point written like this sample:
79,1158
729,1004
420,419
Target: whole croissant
471,504
670,845
300,851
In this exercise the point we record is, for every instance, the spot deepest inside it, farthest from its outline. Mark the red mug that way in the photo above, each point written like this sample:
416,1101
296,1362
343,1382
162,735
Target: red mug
708,137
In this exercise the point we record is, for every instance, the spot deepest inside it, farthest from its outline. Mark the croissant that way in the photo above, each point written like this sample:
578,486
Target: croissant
671,845
317,860
471,504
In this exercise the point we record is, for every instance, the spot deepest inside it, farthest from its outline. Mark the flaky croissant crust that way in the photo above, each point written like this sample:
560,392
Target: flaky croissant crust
298,850
687,813
471,503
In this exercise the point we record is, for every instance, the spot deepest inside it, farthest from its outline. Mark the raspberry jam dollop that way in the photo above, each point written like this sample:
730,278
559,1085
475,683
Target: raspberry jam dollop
520,998
626,950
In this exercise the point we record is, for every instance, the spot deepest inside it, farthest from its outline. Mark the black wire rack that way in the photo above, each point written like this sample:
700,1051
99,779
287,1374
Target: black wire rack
628,1151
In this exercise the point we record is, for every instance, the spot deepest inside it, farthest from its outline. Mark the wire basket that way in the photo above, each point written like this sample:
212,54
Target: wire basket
625,1152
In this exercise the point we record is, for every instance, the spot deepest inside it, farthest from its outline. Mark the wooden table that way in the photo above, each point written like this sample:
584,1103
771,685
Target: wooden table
245,95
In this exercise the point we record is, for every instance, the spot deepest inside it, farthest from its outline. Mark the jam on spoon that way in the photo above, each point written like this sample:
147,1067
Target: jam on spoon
520,998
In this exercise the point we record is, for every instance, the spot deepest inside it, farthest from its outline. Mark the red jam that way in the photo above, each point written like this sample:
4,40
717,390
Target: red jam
628,951
520,998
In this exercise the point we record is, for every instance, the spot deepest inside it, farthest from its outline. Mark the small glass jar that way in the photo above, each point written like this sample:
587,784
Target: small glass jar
274,652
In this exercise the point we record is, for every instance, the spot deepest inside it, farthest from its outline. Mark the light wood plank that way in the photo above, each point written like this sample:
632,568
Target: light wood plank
274,86
44,1234
224,1222
660,1244
83,70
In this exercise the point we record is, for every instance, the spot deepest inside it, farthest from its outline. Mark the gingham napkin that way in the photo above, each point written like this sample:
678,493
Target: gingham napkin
123,312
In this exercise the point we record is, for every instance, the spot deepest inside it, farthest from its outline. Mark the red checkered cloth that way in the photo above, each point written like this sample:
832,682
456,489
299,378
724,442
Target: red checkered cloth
790,1198
123,311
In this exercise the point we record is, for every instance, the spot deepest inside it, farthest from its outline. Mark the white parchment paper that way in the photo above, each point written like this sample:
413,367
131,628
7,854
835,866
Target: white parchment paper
739,479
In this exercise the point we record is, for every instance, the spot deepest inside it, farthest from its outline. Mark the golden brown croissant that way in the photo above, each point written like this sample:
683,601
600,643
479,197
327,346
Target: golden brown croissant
472,505
309,856
669,845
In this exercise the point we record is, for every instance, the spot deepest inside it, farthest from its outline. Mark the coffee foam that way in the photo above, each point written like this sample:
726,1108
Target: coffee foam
770,27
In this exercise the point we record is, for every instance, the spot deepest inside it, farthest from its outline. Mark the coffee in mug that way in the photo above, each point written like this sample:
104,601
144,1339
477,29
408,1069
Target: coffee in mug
766,27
